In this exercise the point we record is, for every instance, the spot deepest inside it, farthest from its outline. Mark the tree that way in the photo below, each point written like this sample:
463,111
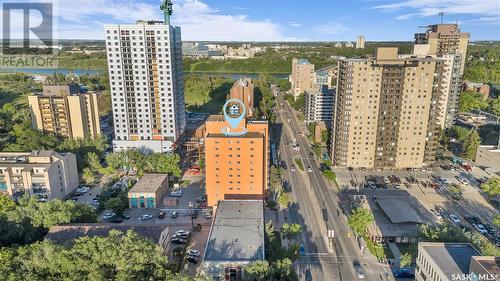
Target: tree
165,163
492,187
256,271
472,100
275,182
329,175
88,176
405,260
284,199
6,204
283,270
496,220
471,143
324,136
360,219
494,106
458,133
93,162
118,256
290,231
118,204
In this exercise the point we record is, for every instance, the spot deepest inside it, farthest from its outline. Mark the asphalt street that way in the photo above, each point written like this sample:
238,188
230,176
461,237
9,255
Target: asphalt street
316,207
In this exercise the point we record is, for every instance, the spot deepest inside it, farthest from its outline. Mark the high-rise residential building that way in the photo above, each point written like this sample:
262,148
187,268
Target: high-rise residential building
445,261
236,167
243,90
388,110
146,83
45,174
319,104
360,42
65,111
302,77
443,40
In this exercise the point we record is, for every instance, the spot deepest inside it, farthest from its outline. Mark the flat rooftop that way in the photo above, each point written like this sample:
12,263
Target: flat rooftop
252,135
237,233
399,211
451,258
489,263
149,183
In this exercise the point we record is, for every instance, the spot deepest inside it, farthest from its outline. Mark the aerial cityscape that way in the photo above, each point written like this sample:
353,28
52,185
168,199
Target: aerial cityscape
219,140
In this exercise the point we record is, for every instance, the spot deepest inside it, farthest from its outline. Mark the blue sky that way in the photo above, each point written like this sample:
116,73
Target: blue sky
291,20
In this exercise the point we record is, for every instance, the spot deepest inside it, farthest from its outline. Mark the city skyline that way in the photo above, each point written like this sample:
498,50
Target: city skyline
223,20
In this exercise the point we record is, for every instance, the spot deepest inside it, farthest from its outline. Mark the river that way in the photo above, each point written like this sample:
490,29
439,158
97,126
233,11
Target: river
50,71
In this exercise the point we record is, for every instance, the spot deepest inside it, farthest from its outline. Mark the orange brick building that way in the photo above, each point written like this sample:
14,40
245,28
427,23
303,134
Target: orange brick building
236,167
243,90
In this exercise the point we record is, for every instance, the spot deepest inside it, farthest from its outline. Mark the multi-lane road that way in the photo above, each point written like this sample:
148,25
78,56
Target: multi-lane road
316,207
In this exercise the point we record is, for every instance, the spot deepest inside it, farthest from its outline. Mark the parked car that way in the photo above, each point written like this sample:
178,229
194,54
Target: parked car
371,185
176,193
125,216
454,219
161,214
386,180
174,214
193,252
208,215
480,228
179,240
462,180
192,259
436,213
292,168
309,170
403,273
182,232
109,215
145,217
117,220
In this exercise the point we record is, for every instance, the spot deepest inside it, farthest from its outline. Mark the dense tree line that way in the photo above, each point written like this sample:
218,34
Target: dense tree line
483,63
206,93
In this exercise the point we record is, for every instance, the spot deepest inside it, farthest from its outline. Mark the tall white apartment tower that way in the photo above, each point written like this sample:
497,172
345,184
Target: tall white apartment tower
146,82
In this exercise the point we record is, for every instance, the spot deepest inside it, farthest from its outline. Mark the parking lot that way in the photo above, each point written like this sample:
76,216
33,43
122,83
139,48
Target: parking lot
433,197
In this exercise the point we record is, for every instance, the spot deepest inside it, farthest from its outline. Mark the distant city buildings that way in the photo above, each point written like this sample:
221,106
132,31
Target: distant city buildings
200,50
389,110
360,42
447,40
236,167
66,111
44,174
219,51
349,45
243,89
302,77
146,83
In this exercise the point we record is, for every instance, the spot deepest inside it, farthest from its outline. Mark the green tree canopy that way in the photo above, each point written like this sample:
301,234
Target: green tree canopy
492,187
471,143
360,219
472,100
290,231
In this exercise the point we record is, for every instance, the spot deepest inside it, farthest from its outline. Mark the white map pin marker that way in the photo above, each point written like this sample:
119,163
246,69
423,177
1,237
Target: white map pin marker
234,122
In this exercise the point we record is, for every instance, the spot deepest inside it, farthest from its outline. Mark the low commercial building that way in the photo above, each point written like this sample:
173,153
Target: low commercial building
482,88
66,111
64,234
148,191
45,174
444,261
236,239
319,104
488,159
485,268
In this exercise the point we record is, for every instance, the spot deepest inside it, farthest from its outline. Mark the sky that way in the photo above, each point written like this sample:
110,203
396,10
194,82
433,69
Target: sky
279,20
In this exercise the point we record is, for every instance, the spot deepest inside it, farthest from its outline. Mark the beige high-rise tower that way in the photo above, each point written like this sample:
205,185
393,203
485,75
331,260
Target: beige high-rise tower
65,111
388,111
302,77
446,40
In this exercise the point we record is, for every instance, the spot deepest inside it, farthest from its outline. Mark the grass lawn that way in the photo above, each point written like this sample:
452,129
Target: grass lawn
299,164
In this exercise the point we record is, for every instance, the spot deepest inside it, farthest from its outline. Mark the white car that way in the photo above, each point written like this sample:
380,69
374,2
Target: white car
480,228
145,217
386,180
182,232
193,252
109,215
176,193
463,180
454,219
372,185
309,170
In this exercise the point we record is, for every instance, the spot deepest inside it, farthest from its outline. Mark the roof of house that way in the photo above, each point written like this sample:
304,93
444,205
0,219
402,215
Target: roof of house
450,257
149,183
399,211
66,233
237,233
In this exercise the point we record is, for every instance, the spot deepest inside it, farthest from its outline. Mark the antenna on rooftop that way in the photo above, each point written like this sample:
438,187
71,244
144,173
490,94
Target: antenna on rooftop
442,16
166,7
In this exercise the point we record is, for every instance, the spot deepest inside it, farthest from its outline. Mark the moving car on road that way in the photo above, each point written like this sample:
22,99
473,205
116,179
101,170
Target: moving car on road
358,270
145,217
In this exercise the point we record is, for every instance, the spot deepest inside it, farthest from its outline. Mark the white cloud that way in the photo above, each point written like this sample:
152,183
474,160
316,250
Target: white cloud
329,28
84,19
425,8
294,24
